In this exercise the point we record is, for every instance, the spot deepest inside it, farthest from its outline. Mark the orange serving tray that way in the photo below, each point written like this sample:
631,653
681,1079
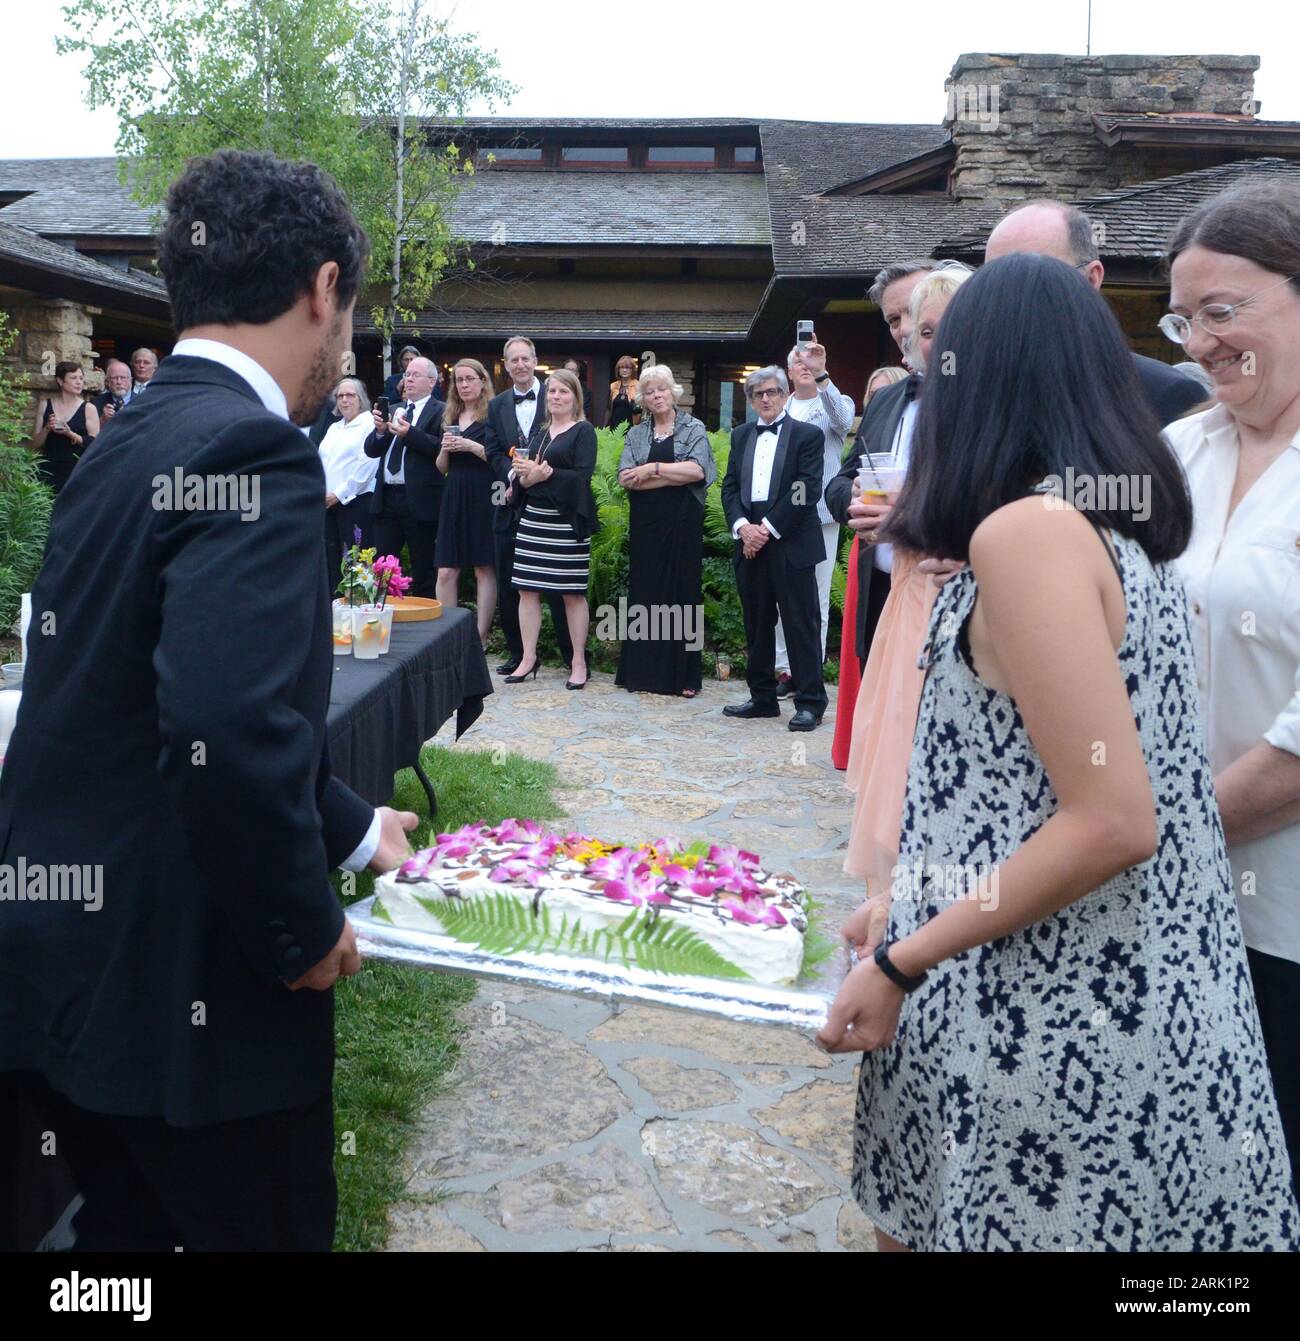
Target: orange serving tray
411,608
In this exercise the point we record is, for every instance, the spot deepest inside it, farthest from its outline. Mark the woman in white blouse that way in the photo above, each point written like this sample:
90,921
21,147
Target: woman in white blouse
349,473
1235,300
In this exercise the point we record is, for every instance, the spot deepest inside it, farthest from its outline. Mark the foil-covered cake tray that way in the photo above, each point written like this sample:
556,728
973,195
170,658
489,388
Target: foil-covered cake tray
804,1006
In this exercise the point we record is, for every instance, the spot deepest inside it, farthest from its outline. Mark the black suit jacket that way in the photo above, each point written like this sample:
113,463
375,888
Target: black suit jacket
876,433
1169,393
419,463
792,512
505,435
172,734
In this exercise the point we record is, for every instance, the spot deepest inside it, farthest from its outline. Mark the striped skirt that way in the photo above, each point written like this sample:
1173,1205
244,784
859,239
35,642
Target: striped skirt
548,556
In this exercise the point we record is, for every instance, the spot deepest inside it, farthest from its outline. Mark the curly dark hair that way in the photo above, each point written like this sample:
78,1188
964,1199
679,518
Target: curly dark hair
245,234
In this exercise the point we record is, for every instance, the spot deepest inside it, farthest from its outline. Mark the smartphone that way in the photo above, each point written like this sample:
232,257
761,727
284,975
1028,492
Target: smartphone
381,405
804,335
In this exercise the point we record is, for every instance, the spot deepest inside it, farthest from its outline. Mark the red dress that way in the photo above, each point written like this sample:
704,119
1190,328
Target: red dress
850,676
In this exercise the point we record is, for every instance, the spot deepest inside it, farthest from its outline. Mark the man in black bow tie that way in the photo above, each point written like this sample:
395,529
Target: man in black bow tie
516,417
770,493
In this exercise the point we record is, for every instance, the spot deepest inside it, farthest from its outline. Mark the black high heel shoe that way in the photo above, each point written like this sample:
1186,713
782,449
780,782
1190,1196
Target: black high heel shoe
568,684
519,679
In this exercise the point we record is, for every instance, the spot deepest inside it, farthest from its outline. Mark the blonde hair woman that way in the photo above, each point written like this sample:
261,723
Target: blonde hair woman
885,712
666,467
551,492
465,517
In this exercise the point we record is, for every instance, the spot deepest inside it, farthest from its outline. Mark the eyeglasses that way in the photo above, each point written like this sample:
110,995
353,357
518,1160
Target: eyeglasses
766,391
1213,317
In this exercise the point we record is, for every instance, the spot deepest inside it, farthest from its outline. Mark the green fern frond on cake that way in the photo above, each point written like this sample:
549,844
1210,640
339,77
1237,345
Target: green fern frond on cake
499,924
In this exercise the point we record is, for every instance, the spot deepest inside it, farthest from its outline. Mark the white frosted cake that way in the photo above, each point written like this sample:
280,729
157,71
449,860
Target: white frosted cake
516,888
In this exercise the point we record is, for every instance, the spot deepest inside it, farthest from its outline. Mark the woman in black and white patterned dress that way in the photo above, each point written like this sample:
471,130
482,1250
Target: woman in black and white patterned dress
557,518
1063,1050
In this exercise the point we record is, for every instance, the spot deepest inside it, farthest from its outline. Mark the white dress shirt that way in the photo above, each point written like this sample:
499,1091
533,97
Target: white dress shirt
399,477
269,393
765,441
1242,575
349,472
832,412
526,410
901,449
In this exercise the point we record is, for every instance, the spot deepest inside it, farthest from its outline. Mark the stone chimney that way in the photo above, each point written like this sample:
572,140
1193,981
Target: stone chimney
1022,124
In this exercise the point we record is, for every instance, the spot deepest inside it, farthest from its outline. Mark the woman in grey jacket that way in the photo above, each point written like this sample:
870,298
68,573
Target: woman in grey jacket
666,467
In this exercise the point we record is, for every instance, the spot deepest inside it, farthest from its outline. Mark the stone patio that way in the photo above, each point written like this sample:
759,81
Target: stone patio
572,1125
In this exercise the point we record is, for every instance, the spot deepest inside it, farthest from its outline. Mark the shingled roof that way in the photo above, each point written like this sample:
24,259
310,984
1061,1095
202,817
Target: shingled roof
817,234
72,197
31,262
1139,219
626,209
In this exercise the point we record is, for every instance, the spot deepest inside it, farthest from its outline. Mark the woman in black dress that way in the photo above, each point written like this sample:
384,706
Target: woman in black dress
65,426
552,496
623,394
666,467
465,516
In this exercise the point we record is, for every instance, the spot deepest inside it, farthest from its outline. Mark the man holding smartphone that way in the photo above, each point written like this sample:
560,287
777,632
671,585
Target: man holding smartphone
408,483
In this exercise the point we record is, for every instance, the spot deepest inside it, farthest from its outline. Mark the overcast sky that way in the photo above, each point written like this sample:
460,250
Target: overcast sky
855,61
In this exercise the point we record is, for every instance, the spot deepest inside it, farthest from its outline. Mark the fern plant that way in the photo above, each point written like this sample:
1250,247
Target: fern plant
499,924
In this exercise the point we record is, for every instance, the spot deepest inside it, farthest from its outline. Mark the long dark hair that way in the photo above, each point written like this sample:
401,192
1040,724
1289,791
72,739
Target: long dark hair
1029,375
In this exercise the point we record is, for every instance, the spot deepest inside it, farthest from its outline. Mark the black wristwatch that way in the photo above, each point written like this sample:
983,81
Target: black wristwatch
825,377
886,966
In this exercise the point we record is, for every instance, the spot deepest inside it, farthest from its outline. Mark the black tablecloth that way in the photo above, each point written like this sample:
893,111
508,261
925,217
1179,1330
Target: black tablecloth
382,711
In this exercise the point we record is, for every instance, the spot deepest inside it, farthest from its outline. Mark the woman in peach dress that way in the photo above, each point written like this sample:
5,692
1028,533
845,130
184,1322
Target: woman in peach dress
846,694
884,716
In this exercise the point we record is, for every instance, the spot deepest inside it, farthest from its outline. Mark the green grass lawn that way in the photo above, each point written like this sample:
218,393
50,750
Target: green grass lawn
396,1028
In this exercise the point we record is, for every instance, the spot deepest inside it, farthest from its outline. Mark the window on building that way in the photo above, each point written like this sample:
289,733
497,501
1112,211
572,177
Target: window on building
508,153
674,154
602,154
748,153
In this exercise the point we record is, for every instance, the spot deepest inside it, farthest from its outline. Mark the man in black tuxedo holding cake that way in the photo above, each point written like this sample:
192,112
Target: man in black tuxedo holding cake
176,1031
408,484
516,416
769,494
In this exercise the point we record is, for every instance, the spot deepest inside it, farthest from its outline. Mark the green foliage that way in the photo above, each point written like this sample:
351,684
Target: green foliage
502,925
25,499
306,79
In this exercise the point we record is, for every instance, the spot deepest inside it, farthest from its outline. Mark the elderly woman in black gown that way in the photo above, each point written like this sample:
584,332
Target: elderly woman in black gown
666,467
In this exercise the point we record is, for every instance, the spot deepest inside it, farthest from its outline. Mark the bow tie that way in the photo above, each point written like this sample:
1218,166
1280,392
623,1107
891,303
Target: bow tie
530,395
773,427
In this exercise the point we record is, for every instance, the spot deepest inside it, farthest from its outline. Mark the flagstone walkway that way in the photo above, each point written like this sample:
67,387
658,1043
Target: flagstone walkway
573,1125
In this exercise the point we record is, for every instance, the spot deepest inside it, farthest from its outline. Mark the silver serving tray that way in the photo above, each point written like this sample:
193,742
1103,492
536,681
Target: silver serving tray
804,1007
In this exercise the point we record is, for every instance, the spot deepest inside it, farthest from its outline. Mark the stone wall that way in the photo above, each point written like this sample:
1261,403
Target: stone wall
50,331
1022,124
